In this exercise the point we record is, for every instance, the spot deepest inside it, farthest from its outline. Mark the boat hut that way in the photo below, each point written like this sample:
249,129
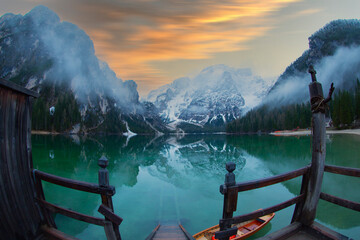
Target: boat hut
20,218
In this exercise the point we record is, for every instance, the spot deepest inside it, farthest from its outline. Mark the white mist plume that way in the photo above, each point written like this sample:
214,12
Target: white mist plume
343,68
74,60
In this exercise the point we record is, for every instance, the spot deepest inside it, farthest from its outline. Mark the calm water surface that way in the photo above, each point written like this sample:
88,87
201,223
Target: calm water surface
170,178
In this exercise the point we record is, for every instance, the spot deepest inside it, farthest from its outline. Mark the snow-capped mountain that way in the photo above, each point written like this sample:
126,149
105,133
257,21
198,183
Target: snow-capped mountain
218,94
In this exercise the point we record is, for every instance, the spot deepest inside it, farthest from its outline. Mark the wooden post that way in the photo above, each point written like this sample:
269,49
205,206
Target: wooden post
48,218
112,230
230,197
313,188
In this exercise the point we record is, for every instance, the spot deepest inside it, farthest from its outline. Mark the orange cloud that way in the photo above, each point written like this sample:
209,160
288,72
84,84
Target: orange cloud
131,34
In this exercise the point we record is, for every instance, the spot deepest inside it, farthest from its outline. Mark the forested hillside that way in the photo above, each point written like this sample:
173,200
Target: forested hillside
343,112
345,107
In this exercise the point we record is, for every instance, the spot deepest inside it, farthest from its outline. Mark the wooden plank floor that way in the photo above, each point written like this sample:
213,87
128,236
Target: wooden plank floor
296,231
169,232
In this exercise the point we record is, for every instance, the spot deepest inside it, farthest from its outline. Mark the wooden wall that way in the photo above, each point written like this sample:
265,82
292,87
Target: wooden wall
19,216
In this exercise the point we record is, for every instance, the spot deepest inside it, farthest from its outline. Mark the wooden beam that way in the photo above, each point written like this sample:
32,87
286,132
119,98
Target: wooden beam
300,205
313,188
271,180
341,202
72,214
152,234
112,232
189,237
353,172
54,234
283,233
75,184
18,88
262,212
108,213
325,233
226,233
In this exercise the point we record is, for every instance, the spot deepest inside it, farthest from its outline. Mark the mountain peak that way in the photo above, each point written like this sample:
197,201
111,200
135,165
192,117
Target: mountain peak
41,15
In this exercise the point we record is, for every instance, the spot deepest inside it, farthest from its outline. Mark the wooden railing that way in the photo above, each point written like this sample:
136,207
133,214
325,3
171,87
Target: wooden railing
353,172
231,189
111,221
310,192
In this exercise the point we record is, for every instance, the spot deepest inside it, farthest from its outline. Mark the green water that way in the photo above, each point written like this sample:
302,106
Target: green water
169,178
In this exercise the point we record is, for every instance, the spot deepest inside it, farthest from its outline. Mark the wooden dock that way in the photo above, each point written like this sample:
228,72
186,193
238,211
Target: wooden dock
169,231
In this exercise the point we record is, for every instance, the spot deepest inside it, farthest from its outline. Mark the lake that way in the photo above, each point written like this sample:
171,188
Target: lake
177,178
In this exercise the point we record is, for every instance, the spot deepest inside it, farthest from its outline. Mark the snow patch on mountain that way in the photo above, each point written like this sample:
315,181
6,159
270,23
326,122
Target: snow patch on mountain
216,95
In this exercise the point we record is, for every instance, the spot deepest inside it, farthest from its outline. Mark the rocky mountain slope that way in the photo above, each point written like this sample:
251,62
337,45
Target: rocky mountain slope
58,60
215,96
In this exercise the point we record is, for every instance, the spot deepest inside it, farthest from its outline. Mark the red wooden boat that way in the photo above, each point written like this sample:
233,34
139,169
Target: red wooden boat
245,229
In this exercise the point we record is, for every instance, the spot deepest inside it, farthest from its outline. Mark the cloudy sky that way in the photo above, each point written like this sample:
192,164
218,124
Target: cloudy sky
156,41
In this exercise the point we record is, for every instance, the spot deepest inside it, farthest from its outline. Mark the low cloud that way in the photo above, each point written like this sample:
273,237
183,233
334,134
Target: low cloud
342,69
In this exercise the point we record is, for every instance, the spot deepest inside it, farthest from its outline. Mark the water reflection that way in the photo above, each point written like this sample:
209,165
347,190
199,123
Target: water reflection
178,178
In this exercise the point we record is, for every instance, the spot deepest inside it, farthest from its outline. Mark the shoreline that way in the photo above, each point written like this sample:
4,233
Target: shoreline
277,133
37,132
308,132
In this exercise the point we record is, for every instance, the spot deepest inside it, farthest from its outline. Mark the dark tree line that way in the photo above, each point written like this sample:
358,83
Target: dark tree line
66,112
345,107
266,119
344,111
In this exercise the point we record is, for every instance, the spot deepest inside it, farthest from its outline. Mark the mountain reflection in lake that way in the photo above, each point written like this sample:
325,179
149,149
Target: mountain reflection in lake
170,178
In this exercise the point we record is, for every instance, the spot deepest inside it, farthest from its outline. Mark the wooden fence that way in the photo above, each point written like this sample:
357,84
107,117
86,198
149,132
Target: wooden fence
231,189
353,172
312,176
111,221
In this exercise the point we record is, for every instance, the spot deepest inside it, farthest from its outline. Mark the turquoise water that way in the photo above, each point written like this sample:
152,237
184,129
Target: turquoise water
170,178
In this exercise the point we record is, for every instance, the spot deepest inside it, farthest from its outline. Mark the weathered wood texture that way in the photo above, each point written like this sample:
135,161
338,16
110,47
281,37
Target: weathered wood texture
313,188
54,234
169,232
323,232
347,171
190,237
297,231
284,233
71,214
20,217
341,202
74,184
271,180
265,211
112,232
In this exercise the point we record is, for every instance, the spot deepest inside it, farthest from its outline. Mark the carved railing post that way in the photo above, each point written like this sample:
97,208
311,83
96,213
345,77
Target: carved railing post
313,183
230,198
111,229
